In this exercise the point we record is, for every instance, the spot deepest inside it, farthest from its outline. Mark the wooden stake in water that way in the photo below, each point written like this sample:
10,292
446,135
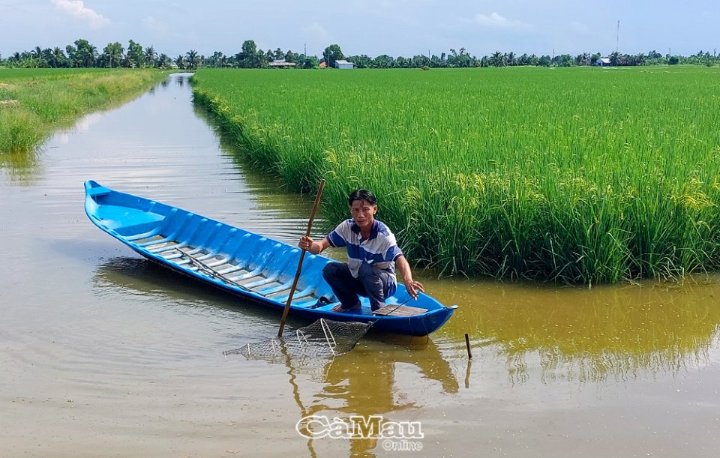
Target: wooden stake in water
467,345
302,258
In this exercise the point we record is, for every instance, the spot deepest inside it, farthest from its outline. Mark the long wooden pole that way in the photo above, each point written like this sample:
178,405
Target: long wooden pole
318,197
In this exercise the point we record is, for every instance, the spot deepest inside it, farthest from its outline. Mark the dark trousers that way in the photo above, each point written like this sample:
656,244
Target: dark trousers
372,283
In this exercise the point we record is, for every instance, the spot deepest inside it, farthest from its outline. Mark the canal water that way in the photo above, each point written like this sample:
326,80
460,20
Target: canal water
104,354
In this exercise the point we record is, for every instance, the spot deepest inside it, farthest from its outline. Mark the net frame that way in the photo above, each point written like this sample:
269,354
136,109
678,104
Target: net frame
321,340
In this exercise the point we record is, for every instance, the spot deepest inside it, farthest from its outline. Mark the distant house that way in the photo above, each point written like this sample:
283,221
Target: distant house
344,65
281,63
603,62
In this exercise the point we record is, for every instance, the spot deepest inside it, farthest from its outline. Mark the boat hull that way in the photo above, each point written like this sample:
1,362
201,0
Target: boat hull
243,263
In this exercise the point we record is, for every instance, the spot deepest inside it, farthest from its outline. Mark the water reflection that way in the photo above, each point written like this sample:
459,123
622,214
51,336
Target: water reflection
20,167
364,382
617,333
132,276
182,78
549,336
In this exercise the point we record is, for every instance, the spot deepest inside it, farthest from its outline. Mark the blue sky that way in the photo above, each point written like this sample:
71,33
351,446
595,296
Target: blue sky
373,27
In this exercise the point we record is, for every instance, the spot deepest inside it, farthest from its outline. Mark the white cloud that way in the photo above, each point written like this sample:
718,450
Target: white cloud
78,9
496,20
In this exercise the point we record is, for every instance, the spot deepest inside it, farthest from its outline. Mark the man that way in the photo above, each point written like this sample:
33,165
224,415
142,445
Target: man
373,254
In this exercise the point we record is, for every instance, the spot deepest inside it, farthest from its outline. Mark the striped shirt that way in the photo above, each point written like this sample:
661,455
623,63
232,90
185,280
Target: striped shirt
380,249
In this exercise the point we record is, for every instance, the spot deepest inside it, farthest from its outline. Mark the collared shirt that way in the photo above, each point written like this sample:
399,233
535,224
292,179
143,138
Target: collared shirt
379,250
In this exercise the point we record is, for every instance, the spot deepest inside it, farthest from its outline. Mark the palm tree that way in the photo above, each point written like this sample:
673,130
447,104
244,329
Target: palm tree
193,59
180,61
113,54
164,61
150,56
59,57
497,59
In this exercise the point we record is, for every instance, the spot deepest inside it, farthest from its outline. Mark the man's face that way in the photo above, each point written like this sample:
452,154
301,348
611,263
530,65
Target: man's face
363,212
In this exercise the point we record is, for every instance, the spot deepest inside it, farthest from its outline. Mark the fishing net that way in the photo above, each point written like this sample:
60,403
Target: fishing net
320,340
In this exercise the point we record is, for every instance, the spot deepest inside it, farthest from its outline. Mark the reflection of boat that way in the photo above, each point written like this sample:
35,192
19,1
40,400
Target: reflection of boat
244,263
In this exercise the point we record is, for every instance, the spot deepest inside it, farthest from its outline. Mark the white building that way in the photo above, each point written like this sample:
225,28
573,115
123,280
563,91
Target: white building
281,63
603,62
344,65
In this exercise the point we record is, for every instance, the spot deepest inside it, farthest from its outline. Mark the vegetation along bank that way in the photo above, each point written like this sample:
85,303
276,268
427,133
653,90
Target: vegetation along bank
34,102
578,175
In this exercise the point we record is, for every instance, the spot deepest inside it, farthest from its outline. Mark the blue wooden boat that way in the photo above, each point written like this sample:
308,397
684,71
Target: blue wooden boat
244,263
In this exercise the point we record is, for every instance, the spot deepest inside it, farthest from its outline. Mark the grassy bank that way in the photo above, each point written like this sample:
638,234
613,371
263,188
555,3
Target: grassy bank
34,102
578,175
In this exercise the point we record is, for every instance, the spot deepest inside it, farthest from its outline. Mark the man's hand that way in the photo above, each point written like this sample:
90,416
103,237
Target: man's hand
414,288
306,243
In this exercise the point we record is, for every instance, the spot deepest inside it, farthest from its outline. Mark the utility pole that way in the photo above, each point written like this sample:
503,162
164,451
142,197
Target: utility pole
617,37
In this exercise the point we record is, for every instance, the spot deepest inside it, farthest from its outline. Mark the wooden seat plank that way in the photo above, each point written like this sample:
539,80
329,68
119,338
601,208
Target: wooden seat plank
399,310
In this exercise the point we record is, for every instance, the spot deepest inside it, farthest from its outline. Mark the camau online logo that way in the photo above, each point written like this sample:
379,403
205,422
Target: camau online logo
358,427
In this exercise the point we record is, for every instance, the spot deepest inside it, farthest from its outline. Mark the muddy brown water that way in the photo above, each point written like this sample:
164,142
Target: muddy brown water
104,354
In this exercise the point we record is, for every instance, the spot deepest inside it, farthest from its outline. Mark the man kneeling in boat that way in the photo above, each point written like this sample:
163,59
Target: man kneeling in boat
372,253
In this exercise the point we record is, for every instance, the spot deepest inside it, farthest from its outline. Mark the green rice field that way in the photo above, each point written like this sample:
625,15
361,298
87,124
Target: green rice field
579,175
35,102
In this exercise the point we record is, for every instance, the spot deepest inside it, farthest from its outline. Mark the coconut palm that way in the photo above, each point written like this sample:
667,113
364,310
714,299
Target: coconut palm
150,56
180,61
113,54
194,60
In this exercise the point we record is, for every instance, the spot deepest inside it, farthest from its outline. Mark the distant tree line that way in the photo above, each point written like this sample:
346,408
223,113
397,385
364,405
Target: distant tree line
83,54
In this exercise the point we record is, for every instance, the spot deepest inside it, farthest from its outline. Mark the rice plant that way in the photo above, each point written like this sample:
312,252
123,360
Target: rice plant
577,175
